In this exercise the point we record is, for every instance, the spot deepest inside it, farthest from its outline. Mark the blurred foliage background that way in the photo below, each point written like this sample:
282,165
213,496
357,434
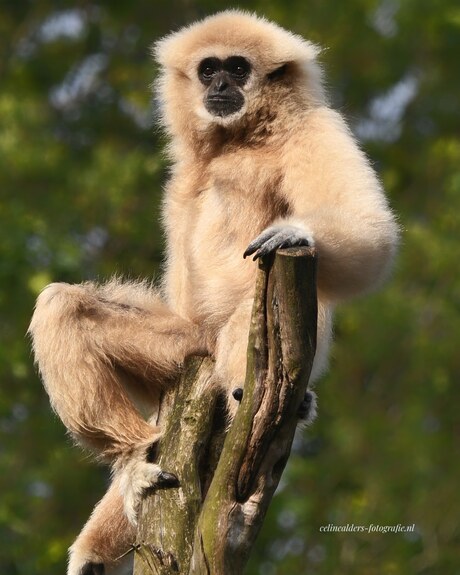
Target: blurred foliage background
81,172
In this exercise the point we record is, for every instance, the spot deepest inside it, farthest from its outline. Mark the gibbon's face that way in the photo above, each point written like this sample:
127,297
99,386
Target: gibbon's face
223,81
233,68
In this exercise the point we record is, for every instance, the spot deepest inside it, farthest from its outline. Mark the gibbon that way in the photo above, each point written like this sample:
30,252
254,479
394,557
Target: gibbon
259,161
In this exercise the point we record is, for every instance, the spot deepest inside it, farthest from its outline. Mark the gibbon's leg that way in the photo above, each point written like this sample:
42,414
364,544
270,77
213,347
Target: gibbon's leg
231,357
230,354
106,536
101,351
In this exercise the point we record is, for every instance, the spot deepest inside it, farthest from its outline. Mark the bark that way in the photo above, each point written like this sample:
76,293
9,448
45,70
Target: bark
209,524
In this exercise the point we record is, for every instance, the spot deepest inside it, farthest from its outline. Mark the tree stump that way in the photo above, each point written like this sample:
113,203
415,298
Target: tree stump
208,525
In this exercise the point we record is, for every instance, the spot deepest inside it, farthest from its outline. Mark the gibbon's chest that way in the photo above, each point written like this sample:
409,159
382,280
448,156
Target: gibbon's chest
234,205
241,197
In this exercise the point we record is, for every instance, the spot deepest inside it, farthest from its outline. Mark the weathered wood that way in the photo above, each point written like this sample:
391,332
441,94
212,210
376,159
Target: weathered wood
197,531
281,349
167,524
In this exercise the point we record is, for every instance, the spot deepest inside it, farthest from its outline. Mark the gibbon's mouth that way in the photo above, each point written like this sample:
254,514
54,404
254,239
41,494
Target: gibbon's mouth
220,105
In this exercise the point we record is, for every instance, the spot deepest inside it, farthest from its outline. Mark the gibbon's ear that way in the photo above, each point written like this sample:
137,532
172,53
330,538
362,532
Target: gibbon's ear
278,72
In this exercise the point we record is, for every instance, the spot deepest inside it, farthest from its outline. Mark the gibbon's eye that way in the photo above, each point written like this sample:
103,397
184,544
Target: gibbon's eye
208,68
208,72
238,67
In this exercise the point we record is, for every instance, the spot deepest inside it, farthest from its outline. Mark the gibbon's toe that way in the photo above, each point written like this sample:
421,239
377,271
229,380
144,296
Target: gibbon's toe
238,393
166,480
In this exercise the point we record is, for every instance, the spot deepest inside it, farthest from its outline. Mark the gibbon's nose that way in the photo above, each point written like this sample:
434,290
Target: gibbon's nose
220,84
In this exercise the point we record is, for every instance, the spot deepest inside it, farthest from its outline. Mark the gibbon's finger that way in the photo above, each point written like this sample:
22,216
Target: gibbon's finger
270,245
282,239
293,236
260,240
250,250
285,238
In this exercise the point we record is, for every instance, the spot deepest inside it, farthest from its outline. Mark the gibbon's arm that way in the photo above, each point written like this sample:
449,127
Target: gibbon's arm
337,205
175,282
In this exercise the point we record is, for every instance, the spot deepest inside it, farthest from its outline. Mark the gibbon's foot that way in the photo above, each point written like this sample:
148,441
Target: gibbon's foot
93,569
238,393
136,478
85,563
280,236
90,568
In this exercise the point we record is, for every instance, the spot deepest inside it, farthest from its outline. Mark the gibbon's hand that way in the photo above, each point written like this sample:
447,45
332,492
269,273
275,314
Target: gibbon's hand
280,236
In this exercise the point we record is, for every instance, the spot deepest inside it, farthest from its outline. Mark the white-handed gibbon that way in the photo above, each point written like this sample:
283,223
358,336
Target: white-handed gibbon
259,161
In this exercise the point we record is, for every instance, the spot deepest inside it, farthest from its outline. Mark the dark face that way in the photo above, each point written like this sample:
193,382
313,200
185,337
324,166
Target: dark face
224,80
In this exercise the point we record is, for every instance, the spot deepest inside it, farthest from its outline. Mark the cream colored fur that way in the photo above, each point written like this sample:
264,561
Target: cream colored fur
285,159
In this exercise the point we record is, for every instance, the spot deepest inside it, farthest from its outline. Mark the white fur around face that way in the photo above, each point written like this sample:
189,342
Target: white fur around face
209,119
